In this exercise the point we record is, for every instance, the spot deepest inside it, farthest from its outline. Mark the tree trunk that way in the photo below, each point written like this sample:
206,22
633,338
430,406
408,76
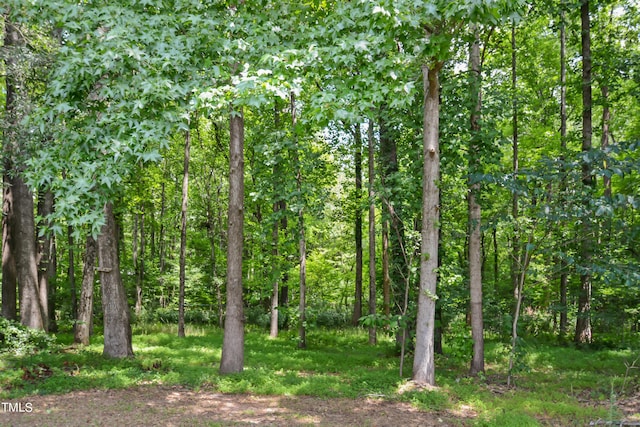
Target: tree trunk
46,268
423,364
516,263
9,273
386,279
71,272
564,278
372,233
13,40
475,238
85,308
115,309
604,141
273,330
275,236
357,305
233,343
302,243
31,310
583,322
183,231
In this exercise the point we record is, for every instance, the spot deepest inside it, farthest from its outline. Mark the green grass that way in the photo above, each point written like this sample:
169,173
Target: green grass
552,386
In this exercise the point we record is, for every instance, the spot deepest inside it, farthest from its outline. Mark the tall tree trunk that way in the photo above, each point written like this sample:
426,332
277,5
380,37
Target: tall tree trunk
564,278
116,315
357,305
12,42
31,311
85,308
475,237
302,243
283,300
273,330
275,237
140,277
71,272
386,279
9,273
392,212
604,141
46,267
233,343
162,237
583,322
423,364
372,231
516,263
183,231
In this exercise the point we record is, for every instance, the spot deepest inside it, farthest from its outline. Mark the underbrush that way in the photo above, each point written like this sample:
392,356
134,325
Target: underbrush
557,386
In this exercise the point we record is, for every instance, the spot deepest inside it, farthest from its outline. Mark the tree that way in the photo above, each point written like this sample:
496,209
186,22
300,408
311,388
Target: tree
583,322
475,234
116,313
183,230
372,230
357,305
84,322
19,203
232,360
424,363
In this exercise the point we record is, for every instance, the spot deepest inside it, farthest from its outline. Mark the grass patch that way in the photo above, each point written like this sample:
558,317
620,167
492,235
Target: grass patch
560,385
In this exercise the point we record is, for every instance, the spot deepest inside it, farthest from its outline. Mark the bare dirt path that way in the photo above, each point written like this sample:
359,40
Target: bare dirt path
177,406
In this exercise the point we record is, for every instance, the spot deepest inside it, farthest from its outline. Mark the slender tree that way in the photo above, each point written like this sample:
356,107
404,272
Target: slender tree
232,360
583,321
372,231
46,262
357,304
183,231
82,331
564,277
475,234
302,242
20,200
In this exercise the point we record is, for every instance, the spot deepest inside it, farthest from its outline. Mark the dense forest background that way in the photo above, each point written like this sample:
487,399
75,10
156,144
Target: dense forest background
223,162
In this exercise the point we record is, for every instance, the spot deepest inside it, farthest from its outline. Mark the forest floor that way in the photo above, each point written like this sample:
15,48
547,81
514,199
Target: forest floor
179,406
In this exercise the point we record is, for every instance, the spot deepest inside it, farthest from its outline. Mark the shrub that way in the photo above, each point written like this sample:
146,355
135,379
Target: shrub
19,340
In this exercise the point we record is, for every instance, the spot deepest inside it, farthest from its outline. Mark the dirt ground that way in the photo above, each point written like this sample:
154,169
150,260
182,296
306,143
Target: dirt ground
176,406
179,406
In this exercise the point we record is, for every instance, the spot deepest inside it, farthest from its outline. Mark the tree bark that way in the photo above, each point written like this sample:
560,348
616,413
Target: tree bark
85,308
12,41
604,141
273,330
46,266
183,231
372,232
423,364
475,216
564,278
71,272
516,262
31,310
583,322
9,273
232,360
357,305
116,314
302,243
275,238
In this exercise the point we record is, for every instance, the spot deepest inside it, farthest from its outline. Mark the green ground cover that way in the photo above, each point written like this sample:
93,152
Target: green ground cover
554,385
